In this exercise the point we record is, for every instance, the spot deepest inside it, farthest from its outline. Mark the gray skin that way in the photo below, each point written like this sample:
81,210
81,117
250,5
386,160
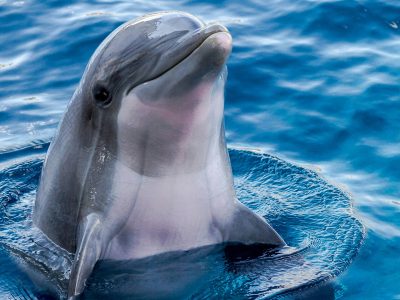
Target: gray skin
139,165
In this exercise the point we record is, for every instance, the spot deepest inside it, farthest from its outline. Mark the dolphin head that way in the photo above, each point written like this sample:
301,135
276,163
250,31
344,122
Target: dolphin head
154,91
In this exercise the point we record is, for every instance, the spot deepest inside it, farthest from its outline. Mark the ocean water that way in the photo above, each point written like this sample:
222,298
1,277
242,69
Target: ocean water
314,83
314,217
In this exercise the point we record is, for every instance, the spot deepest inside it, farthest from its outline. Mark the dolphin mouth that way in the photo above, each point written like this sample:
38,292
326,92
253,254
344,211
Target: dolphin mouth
184,47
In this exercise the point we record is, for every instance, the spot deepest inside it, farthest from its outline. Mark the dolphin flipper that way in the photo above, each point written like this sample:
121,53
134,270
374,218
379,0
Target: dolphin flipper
248,228
89,247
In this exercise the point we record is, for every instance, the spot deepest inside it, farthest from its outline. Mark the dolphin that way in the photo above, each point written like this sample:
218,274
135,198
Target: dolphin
139,164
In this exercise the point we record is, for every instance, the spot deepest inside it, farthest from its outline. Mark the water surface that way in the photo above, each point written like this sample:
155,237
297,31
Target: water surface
315,219
312,82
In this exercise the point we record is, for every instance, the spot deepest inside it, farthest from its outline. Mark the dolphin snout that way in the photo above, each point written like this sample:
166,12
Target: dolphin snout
214,28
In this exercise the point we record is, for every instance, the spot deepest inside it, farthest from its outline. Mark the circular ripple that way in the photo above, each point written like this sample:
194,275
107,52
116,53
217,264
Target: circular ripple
314,217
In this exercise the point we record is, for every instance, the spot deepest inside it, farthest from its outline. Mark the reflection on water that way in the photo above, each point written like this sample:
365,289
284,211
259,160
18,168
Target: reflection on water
315,82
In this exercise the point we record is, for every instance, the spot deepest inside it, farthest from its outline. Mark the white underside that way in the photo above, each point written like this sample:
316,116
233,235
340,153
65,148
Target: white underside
170,213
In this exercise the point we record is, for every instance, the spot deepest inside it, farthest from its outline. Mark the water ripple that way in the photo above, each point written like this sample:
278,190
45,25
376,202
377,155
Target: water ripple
314,217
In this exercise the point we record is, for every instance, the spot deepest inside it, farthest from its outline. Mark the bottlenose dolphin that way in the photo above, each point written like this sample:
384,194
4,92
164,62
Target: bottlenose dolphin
139,165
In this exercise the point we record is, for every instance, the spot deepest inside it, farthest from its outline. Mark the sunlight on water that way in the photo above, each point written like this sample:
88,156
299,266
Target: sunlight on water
312,82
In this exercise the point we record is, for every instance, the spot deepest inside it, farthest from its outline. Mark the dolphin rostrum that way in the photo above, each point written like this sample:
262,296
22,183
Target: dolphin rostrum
139,165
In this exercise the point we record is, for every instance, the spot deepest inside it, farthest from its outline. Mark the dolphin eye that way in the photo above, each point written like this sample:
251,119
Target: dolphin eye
102,95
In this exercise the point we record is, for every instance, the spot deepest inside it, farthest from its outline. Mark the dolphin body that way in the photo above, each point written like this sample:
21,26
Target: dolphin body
139,165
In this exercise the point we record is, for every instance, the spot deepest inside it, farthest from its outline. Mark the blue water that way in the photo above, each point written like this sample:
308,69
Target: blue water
314,217
315,83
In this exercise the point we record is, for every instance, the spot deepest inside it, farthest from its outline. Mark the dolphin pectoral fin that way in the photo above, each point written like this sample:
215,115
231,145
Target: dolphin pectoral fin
249,228
88,252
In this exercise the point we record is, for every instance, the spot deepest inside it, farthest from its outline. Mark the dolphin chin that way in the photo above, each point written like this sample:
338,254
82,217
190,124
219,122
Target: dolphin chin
139,164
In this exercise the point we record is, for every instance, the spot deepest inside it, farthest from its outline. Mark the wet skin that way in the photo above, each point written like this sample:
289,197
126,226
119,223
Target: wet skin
139,165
